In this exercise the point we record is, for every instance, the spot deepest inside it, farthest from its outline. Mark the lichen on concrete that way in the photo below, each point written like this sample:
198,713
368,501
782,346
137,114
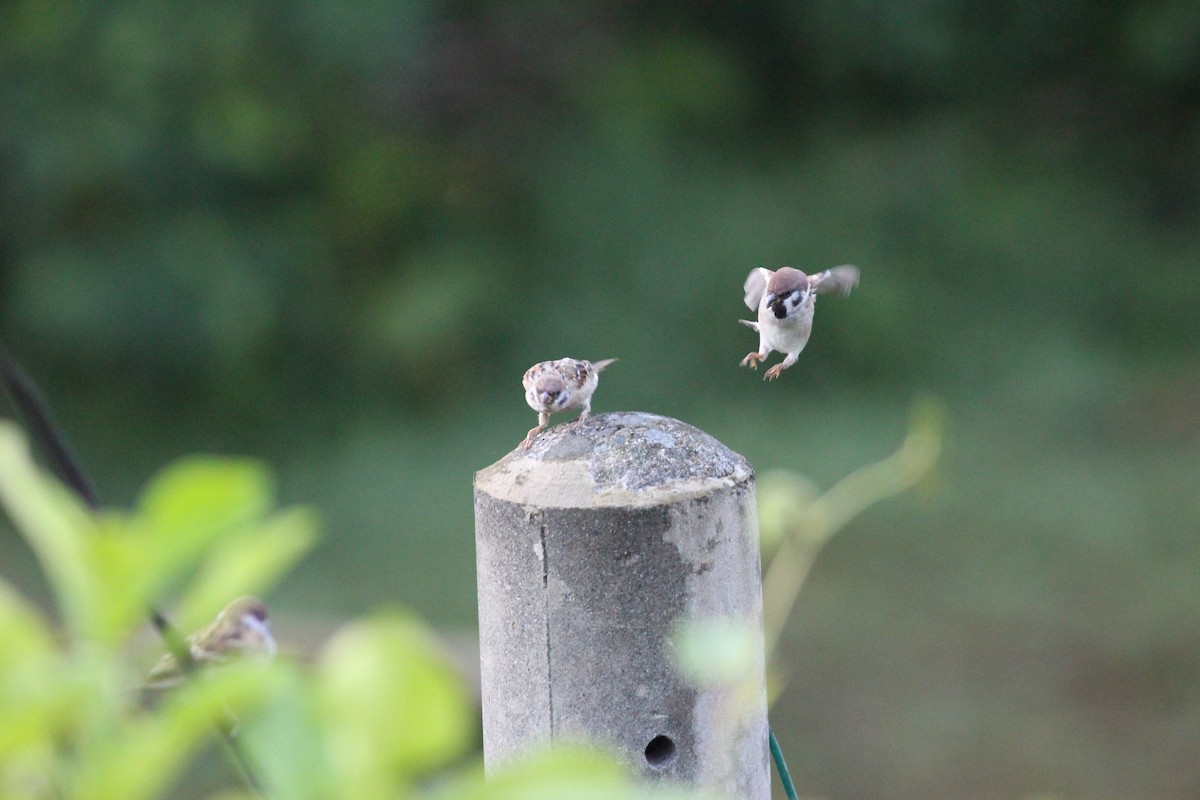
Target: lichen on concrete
620,458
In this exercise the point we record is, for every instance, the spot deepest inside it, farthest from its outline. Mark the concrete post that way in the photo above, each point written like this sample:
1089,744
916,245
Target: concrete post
590,548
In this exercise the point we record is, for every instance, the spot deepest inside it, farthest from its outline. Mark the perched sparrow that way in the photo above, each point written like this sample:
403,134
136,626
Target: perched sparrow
560,386
785,301
240,629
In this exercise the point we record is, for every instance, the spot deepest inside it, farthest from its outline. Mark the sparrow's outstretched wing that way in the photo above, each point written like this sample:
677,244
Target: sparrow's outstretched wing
755,285
839,280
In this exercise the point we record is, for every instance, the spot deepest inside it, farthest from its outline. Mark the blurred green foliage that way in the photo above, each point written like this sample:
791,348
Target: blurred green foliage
376,716
332,237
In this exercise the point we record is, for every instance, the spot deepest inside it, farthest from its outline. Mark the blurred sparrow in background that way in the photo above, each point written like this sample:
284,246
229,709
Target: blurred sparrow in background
561,385
240,630
785,301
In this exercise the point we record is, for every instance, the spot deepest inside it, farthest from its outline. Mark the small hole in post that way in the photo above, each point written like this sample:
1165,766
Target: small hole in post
660,751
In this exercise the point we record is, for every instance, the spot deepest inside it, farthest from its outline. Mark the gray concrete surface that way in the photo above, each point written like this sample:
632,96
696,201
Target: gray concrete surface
590,548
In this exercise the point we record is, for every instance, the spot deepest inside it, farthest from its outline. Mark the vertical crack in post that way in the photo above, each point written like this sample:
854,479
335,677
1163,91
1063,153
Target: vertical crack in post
546,617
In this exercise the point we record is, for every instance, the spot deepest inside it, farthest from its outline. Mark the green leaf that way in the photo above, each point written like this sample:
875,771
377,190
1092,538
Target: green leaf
393,706
248,562
57,529
286,742
571,771
139,760
205,492
717,652
23,633
32,706
196,507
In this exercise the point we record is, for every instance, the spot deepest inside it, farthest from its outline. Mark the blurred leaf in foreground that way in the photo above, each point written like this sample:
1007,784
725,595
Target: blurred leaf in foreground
393,707
566,771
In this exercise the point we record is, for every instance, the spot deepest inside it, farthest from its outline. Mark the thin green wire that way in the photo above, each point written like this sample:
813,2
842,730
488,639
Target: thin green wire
781,767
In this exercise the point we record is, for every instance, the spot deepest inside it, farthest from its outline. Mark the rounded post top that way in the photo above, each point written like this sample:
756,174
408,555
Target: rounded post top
614,459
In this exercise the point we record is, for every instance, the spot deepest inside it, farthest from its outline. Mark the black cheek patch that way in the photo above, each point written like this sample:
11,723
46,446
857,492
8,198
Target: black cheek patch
779,305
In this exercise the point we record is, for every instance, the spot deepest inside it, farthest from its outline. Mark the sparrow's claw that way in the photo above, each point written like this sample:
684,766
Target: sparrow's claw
529,437
773,373
751,360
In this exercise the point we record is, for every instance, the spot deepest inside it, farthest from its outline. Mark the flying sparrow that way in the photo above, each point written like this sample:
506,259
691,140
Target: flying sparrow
561,385
785,300
240,630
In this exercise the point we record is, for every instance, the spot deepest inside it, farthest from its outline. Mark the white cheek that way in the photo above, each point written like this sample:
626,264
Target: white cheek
263,630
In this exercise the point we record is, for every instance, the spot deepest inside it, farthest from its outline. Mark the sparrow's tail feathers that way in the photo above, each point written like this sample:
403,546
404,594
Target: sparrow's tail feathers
599,365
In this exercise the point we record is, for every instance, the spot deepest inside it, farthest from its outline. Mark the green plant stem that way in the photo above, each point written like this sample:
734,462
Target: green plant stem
34,411
238,757
843,501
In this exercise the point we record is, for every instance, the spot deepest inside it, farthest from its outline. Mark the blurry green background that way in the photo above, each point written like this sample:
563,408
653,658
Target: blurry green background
333,235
